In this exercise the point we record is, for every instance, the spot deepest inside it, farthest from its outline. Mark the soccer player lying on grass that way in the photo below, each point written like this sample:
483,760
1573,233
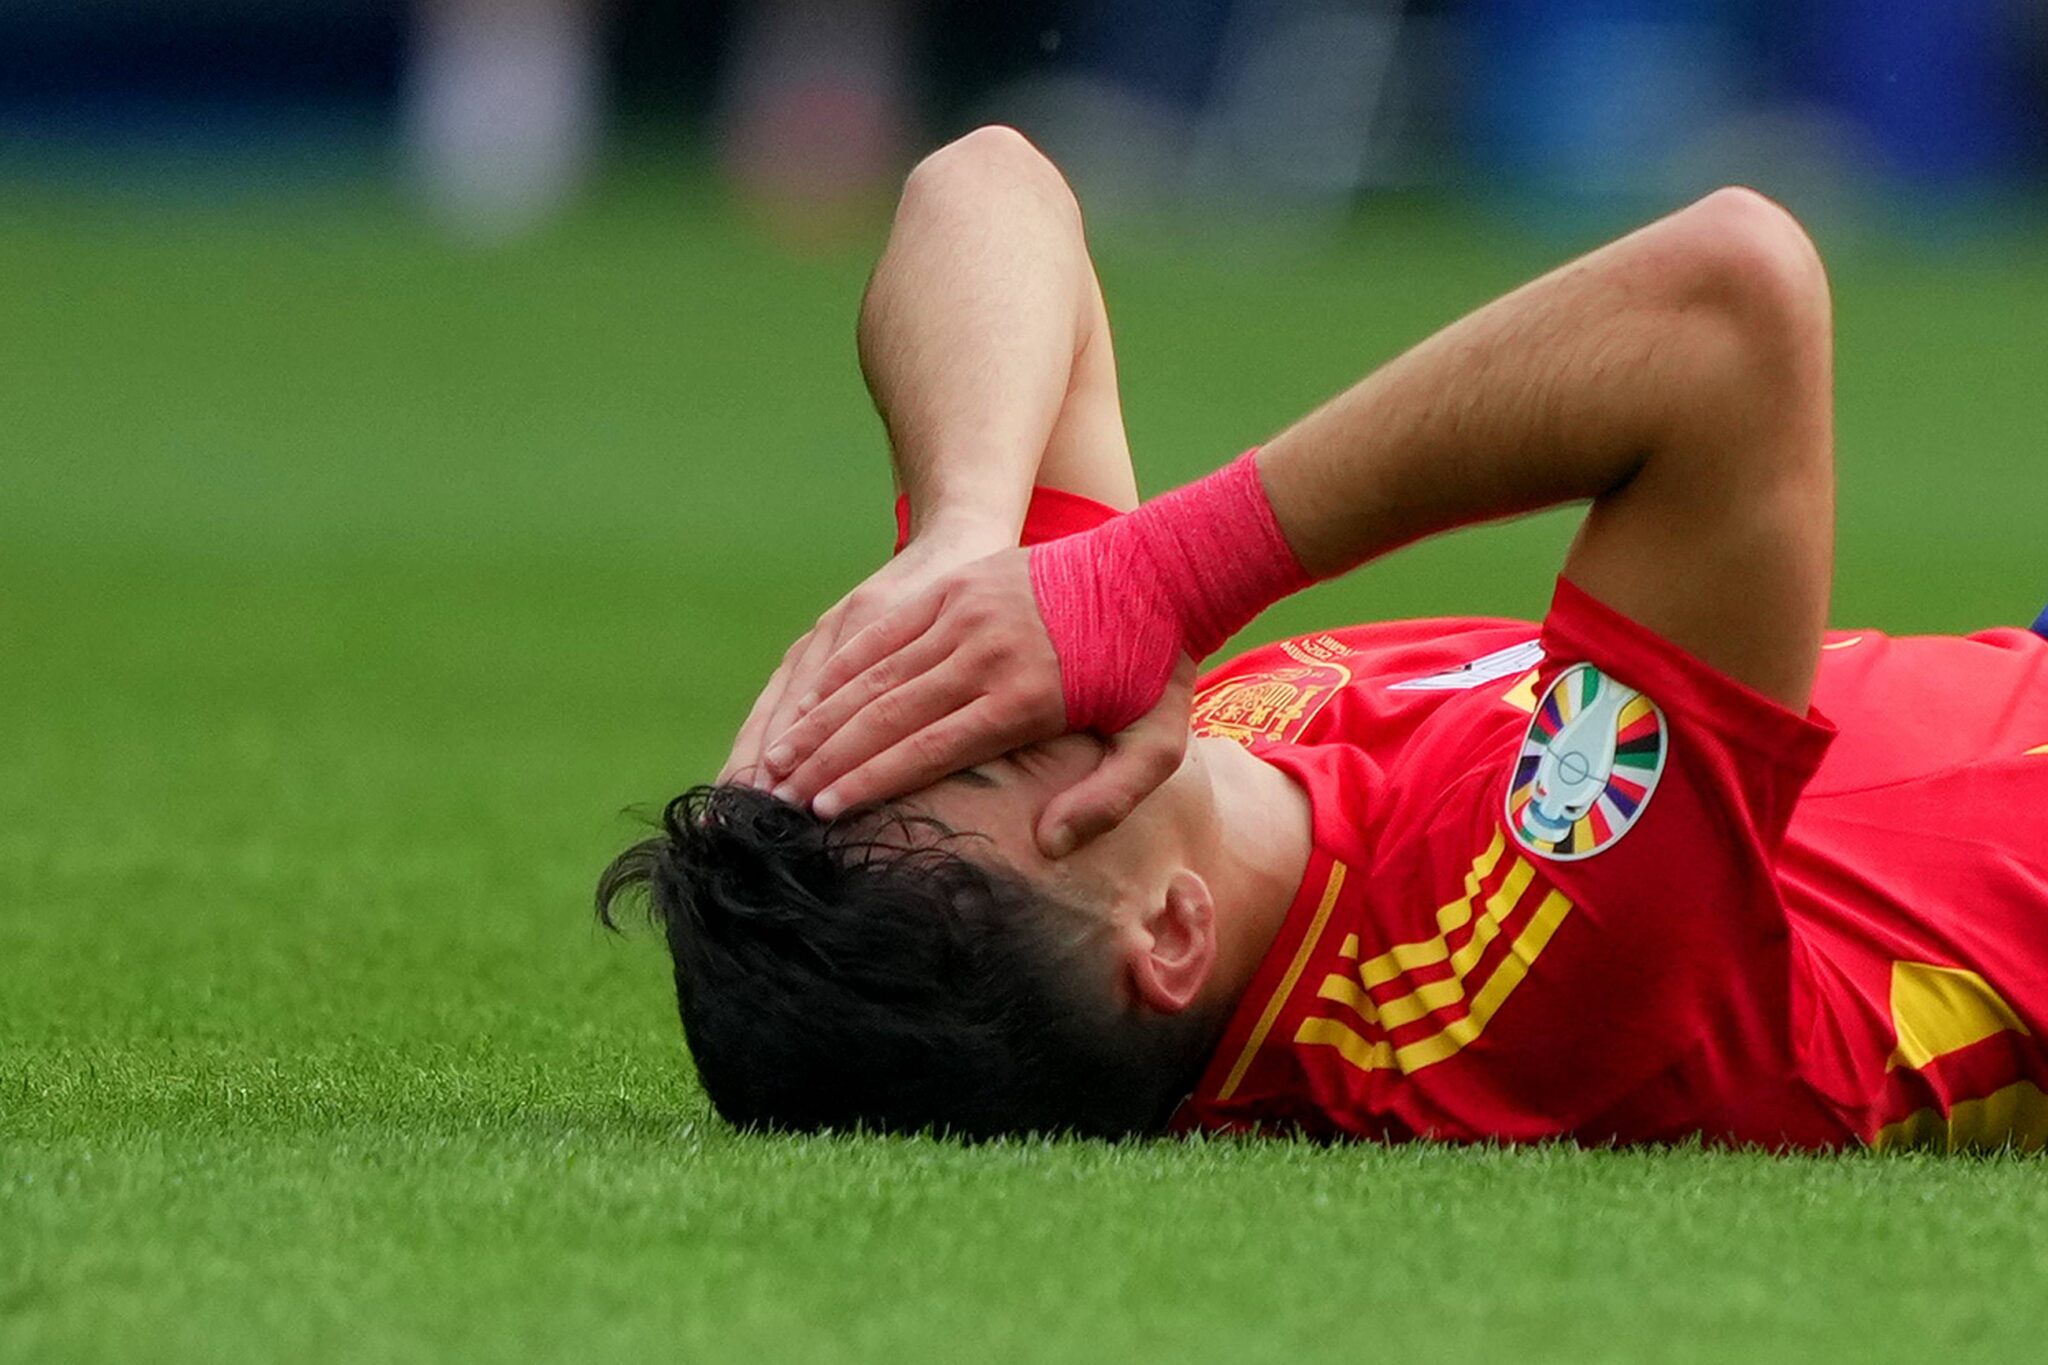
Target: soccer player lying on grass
1674,862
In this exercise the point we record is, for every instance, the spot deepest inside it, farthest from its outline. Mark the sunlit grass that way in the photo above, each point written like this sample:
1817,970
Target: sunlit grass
350,587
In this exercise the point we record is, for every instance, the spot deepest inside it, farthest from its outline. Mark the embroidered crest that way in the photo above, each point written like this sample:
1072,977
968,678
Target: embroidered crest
1271,705
1588,766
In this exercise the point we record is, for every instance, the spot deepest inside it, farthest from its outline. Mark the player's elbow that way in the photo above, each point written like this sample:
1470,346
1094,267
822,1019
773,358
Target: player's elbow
992,157
1749,263
993,148
1754,324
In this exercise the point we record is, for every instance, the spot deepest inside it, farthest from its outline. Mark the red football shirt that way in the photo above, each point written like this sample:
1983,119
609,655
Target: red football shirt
1570,881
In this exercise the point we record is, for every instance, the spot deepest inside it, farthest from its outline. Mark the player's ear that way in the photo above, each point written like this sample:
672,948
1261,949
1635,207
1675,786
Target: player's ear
1172,947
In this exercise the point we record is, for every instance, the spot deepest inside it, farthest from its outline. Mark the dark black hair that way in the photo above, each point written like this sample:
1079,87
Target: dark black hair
866,974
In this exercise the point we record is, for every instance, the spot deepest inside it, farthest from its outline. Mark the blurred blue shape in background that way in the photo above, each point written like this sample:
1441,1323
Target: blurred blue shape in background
1591,99
1941,90
499,112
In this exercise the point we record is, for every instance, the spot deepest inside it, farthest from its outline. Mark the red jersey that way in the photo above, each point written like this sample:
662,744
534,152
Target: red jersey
1568,880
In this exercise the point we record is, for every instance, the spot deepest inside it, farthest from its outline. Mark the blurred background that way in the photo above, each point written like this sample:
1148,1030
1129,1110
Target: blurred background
484,329
351,345
420,373
423,425
496,116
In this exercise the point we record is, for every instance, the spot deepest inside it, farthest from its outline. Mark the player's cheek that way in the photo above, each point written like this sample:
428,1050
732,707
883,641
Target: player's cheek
1006,819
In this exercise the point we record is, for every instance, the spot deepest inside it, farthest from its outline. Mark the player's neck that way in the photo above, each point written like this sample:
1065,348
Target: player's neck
1255,861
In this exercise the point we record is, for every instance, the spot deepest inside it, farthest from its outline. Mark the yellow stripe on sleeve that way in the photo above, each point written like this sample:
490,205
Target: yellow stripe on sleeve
1344,991
1421,1001
1405,1009
1406,957
1366,1056
1434,995
1499,906
1457,1035
1492,991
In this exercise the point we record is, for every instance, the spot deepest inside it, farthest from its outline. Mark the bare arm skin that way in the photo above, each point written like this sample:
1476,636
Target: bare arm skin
986,347
1679,379
985,344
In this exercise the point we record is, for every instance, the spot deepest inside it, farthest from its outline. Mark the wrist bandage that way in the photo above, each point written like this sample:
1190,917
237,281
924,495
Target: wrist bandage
1180,575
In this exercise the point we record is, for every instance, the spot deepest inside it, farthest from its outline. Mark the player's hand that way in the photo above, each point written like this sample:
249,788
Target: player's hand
922,562
960,674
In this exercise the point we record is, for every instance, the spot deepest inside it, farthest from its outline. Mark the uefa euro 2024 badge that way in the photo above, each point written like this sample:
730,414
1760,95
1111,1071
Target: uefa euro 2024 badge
1588,766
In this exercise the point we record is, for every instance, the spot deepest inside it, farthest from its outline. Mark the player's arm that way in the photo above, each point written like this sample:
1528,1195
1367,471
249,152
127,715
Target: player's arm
1678,378
985,345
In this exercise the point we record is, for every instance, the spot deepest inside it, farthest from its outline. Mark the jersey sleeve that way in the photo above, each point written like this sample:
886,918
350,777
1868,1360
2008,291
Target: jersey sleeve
1764,752
1583,935
1052,514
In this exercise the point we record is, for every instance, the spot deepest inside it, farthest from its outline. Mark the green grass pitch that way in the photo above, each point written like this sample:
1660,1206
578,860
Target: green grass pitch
350,587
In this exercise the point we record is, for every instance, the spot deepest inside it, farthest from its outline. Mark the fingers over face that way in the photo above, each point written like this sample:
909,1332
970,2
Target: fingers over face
870,694
745,761
1137,763
981,730
802,681
870,645
839,738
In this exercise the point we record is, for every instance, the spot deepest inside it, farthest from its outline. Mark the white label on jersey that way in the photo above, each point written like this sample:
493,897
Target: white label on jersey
1502,663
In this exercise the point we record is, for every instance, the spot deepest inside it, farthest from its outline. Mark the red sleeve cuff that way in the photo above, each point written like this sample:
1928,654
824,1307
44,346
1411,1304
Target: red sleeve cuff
1580,626
1053,513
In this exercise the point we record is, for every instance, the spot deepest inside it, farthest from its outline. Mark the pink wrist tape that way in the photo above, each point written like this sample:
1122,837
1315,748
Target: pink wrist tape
1180,575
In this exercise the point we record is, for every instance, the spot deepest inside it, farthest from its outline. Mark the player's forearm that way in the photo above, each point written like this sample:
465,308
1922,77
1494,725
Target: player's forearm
1564,390
1677,379
1680,379
970,329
